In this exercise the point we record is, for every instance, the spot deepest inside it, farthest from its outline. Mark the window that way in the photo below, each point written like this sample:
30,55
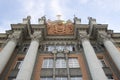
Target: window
46,78
110,77
25,47
47,63
50,48
73,48
18,64
76,78
60,47
11,78
61,78
70,48
73,63
60,63
102,63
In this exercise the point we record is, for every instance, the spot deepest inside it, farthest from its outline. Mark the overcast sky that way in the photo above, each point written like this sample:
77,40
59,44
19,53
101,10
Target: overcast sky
105,11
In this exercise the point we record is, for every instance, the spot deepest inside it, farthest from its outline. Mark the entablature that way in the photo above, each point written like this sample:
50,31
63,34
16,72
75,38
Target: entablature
60,37
116,35
82,26
62,42
101,27
18,26
3,35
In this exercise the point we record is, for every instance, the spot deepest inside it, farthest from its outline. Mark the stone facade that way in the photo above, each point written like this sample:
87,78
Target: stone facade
59,50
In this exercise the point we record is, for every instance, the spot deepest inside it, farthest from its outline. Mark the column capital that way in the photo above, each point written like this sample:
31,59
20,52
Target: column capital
83,37
104,37
36,36
15,36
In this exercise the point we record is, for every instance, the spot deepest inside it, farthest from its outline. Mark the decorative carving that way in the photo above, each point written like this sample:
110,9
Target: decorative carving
15,36
83,35
60,28
36,36
104,36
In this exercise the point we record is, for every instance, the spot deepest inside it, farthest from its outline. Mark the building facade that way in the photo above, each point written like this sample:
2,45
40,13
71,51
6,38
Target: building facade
59,50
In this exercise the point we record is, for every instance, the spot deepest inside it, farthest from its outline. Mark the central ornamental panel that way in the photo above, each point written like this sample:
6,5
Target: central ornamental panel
60,27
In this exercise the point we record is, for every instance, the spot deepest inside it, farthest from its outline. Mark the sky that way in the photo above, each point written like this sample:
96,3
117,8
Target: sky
104,11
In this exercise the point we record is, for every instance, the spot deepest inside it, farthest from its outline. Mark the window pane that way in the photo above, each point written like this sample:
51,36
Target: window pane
61,78
110,77
60,47
18,64
76,78
102,63
11,78
60,63
69,48
46,78
51,48
47,63
73,63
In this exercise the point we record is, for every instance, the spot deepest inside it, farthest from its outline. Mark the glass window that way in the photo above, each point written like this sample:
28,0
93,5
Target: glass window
25,49
46,78
102,63
61,78
51,48
47,63
73,63
11,78
60,47
70,48
60,63
18,64
76,78
110,77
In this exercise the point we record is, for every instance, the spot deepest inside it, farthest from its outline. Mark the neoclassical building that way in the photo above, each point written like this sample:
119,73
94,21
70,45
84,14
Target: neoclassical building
59,50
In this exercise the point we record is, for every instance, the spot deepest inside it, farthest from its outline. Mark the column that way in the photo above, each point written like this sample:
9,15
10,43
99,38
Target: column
96,70
6,53
113,51
27,67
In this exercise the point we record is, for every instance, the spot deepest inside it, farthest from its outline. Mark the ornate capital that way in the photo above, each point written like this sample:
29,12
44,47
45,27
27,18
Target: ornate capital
36,36
104,36
83,35
15,36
